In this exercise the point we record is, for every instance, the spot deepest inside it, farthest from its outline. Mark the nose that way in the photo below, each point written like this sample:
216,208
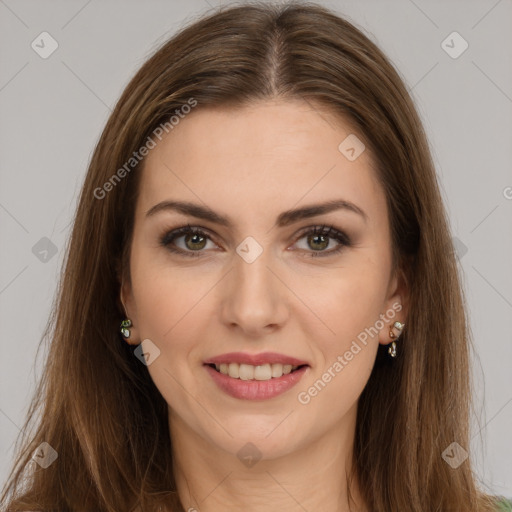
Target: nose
254,299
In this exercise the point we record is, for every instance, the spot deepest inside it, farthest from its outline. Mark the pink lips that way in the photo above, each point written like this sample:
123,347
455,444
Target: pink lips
255,389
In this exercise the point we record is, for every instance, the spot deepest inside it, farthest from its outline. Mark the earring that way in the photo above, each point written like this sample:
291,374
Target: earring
392,349
124,328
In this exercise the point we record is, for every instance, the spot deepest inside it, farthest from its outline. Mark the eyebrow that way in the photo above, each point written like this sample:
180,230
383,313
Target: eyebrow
284,219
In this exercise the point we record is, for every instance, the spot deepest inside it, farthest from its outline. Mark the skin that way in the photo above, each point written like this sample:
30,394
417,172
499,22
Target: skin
251,164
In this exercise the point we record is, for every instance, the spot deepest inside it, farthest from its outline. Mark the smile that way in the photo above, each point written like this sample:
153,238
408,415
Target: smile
252,388
251,372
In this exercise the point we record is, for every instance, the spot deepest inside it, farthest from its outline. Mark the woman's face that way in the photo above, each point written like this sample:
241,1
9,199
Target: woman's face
262,285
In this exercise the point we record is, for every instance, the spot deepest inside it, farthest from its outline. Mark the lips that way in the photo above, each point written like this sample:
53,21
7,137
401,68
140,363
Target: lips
255,376
256,389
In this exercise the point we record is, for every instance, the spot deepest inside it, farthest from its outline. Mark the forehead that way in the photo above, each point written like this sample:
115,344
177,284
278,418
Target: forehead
263,159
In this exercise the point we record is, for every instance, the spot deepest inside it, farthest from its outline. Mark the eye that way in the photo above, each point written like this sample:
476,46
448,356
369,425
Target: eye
195,240
319,237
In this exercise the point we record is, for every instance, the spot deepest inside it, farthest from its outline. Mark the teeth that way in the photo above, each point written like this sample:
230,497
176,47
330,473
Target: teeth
233,370
263,372
277,370
246,372
250,372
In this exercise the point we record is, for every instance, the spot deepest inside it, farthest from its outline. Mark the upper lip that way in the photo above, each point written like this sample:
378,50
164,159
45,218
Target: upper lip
255,359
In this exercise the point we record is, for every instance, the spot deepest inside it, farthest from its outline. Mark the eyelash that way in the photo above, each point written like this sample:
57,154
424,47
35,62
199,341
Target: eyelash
327,231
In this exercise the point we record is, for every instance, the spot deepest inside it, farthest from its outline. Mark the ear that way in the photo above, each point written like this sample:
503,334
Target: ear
128,304
396,306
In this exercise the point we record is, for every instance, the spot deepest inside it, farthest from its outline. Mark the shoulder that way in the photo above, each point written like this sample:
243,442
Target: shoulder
504,504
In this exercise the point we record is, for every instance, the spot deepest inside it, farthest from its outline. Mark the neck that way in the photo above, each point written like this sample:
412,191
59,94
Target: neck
311,477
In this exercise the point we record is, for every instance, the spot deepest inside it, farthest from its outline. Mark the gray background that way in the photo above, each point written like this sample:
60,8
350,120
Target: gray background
52,112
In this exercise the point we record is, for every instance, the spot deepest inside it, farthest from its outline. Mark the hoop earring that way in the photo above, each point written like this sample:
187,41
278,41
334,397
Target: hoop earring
123,328
392,348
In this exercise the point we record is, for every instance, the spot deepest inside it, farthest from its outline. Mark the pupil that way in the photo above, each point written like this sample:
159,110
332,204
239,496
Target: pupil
315,237
195,236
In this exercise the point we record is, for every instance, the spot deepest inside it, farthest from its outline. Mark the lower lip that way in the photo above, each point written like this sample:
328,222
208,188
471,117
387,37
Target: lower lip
256,389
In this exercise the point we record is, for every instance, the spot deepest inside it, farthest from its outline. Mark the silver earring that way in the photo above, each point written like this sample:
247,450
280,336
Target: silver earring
124,328
392,348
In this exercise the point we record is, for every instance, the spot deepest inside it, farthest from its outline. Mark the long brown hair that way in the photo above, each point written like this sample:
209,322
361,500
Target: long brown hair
98,407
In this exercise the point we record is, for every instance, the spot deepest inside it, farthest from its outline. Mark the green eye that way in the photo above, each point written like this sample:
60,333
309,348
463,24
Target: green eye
195,240
192,235
320,236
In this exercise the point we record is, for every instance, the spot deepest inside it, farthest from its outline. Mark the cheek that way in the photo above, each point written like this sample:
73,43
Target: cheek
348,348
171,310
347,301
166,295
336,390
170,313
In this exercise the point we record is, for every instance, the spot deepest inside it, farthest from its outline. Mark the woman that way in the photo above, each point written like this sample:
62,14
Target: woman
260,307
